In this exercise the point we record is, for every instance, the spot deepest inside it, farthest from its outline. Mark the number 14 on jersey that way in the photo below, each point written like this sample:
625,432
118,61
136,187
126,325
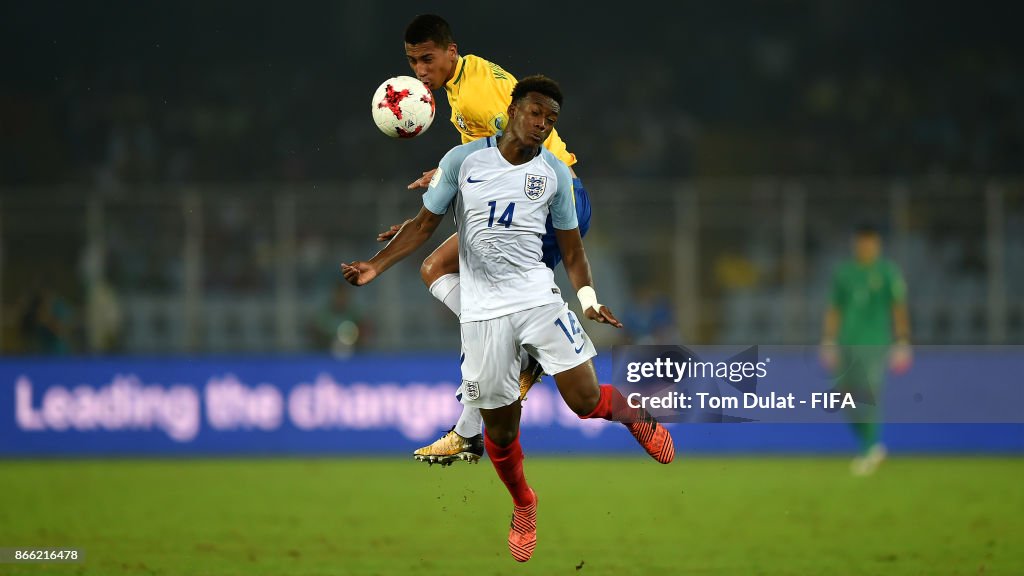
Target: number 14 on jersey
506,217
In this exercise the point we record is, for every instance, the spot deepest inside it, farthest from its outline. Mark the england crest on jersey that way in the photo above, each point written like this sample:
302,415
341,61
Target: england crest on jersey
472,389
535,186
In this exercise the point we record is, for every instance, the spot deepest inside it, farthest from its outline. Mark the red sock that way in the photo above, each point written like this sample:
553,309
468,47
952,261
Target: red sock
508,463
612,406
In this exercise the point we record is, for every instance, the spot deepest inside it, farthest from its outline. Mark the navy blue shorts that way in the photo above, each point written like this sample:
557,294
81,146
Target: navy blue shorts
551,255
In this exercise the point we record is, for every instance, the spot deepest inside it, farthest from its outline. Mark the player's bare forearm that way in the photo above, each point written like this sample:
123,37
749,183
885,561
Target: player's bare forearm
901,322
900,357
412,235
827,353
577,267
830,326
574,257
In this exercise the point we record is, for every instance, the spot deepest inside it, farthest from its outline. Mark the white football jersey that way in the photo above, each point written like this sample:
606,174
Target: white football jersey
500,212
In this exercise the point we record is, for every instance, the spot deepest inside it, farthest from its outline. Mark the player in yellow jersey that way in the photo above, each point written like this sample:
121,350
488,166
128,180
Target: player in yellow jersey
479,93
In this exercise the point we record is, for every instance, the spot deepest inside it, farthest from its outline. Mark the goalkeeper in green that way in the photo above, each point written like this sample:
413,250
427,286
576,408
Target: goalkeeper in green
866,327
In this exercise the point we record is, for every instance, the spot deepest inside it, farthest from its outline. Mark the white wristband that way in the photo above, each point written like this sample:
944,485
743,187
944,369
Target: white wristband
588,299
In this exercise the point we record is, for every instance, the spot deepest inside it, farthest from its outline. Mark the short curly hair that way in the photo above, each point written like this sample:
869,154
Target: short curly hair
540,84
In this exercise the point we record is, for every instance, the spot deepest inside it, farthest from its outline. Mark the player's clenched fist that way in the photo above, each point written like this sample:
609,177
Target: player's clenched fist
358,273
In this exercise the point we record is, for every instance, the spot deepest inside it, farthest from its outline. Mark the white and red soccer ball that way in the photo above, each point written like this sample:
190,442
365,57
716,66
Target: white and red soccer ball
403,107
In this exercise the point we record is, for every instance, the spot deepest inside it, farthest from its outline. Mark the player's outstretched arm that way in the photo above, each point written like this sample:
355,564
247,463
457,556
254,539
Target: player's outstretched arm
577,266
413,234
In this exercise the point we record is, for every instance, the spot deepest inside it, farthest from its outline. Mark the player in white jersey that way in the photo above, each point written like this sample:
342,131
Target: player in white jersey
502,189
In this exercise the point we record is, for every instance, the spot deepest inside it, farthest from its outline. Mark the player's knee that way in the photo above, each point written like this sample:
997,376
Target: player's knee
436,265
429,270
501,435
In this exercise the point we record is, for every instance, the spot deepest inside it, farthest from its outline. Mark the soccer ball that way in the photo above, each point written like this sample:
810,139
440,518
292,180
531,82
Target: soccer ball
403,107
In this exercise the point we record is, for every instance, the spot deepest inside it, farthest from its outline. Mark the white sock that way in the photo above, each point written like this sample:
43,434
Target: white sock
470,422
446,289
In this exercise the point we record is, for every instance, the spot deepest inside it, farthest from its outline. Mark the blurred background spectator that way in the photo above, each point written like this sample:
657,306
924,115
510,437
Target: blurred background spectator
46,323
338,327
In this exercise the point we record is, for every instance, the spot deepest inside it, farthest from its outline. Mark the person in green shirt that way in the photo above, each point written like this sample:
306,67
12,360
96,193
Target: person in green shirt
865,325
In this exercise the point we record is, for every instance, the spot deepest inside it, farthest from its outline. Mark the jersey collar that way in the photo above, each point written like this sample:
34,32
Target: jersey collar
460,67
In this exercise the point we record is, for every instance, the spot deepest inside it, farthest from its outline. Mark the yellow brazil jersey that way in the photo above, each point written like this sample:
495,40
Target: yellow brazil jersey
479,94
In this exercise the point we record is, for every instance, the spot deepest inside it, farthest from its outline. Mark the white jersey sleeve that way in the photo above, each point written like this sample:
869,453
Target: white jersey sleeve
562,204
444,186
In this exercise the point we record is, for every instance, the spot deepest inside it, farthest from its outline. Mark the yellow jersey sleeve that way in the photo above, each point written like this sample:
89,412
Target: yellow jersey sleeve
479,94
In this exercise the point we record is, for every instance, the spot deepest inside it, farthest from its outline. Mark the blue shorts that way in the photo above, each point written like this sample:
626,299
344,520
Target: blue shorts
551,255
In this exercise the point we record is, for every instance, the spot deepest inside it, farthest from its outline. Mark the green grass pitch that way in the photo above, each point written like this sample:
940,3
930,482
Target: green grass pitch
596,516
